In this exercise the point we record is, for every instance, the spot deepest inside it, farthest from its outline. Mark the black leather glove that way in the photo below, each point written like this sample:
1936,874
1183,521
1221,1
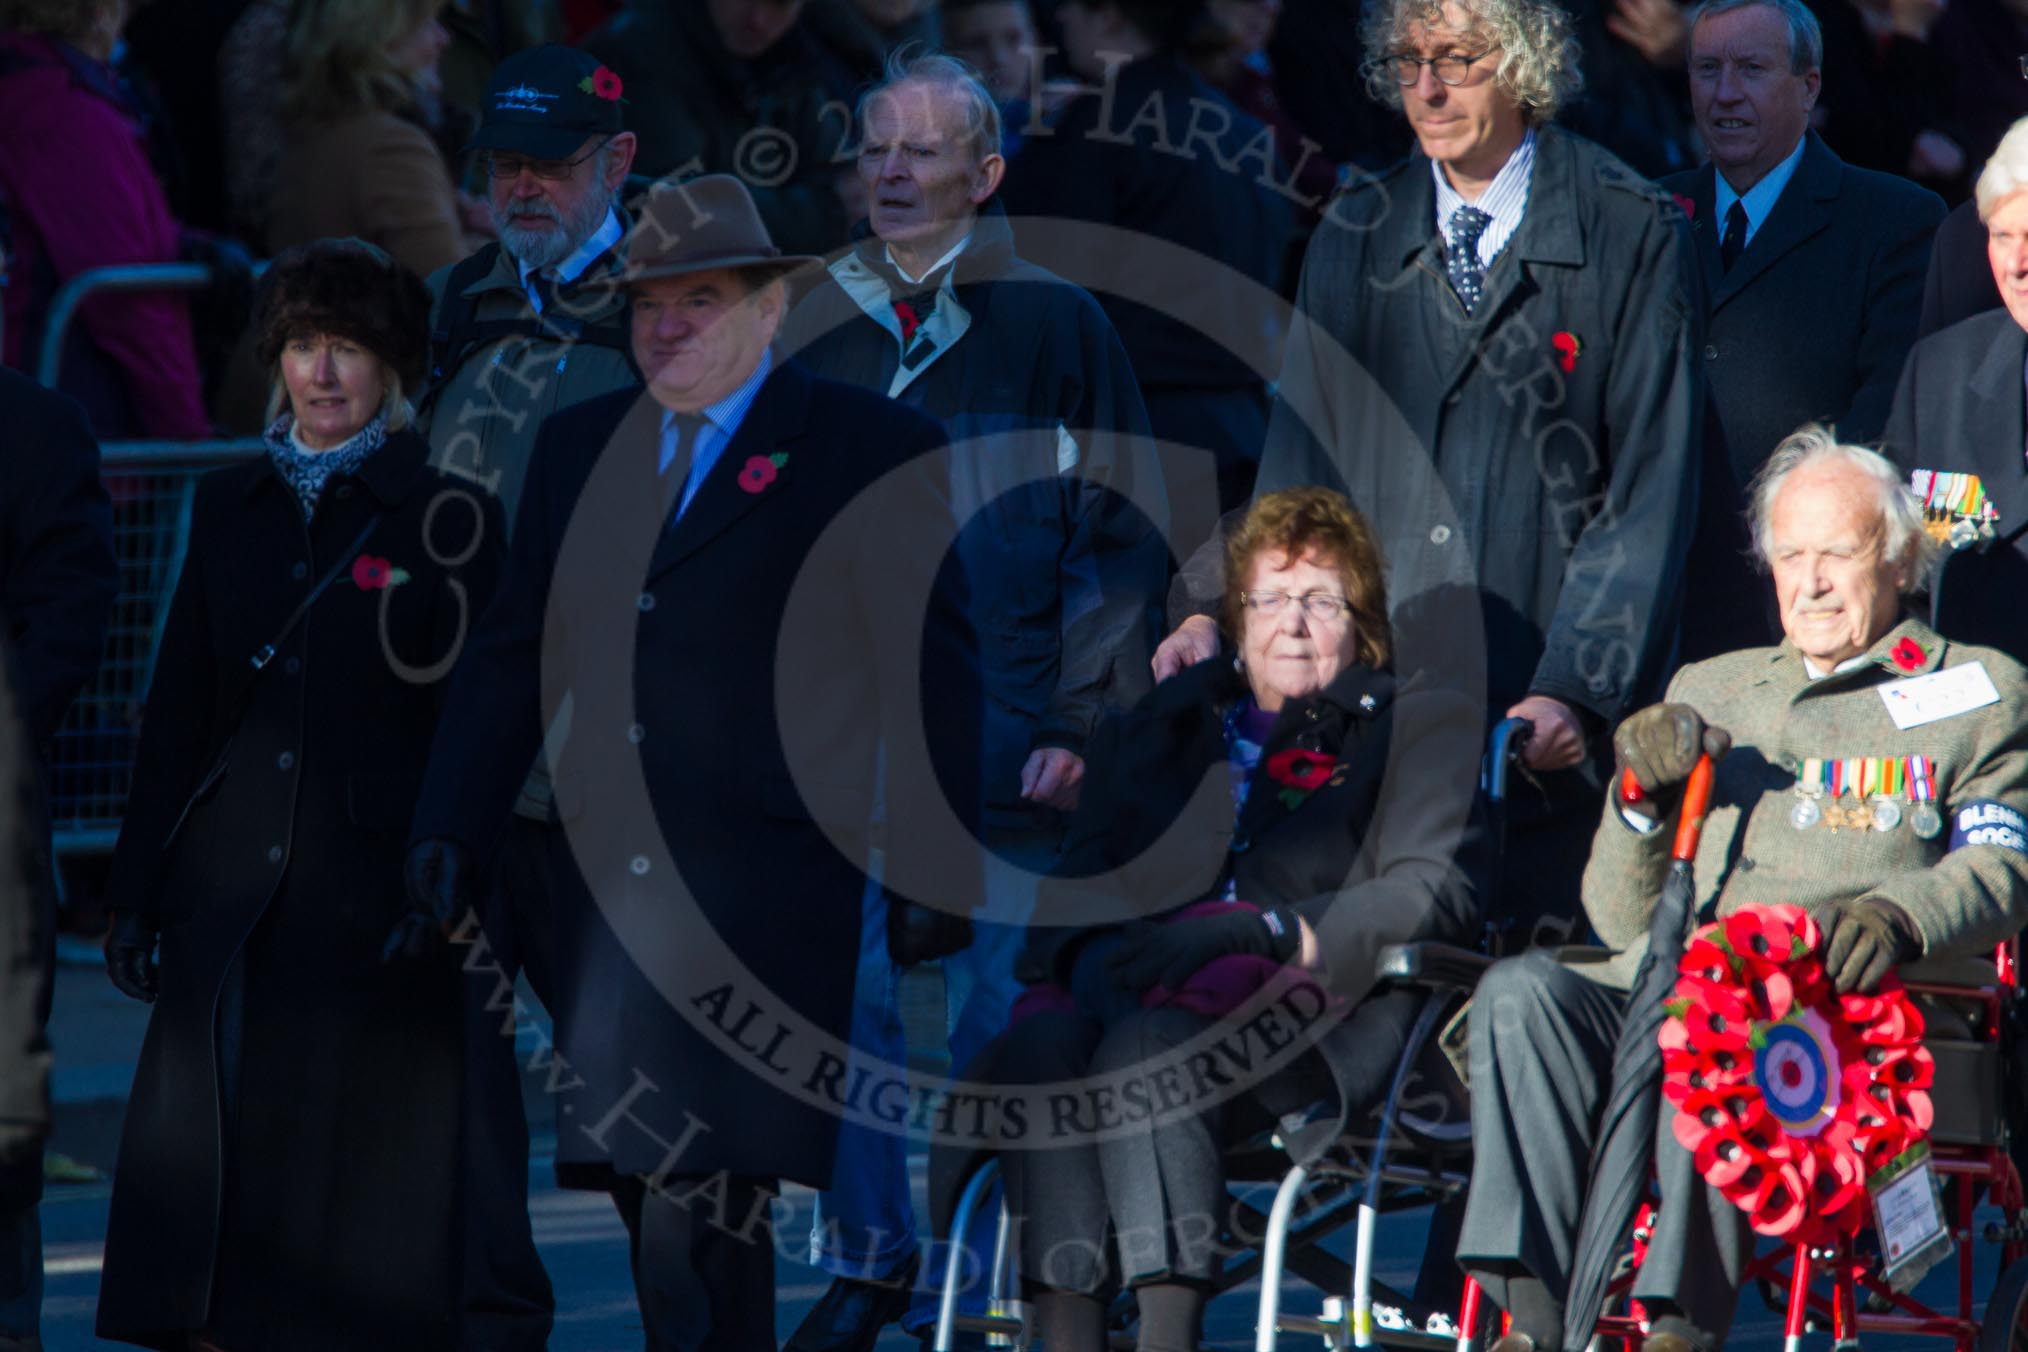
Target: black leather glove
919,934
1865,939
434,874
1661,743
1168,955
130,956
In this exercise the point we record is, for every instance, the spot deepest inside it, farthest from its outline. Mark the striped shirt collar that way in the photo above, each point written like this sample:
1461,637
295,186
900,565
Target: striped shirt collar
728,413
1505,198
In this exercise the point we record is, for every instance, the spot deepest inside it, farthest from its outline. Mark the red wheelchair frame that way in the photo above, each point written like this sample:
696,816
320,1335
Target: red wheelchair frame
1979,1168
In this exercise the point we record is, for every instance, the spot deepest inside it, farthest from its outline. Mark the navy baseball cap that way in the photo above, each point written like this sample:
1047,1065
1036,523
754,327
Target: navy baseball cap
544,102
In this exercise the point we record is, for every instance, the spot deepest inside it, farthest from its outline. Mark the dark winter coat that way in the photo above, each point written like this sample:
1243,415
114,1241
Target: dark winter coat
1960,282
1960,408
317,1210
697,108
1841,257
1163,155
1066,573
58,579
1565,497
730,679
1390,851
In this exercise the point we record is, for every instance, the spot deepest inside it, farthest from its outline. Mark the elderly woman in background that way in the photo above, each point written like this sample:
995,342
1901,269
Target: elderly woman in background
1279,818
79,193
359,157
285,1176
1958,412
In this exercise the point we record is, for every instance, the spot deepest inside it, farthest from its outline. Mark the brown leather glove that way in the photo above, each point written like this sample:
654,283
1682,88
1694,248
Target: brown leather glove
1661,743
1865,938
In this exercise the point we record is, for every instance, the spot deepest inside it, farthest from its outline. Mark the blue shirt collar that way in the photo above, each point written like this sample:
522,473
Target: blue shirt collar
1758,200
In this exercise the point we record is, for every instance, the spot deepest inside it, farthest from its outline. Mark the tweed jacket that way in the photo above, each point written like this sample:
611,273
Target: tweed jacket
1963,900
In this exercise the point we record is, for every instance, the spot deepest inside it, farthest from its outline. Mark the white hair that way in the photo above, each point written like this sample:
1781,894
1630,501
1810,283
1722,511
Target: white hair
2007,172
1900,514
913,65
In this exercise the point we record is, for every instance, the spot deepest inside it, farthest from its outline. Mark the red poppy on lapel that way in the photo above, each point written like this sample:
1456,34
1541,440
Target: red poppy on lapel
1567,347
1908,654
910,321
1689,204
370,573
761,470
1299,769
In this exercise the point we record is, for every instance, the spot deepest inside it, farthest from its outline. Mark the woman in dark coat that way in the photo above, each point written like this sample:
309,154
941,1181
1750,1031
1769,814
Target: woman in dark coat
1281,818
285,1174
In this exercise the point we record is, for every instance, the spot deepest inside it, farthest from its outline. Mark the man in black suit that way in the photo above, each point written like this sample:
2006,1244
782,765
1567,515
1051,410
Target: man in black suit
1959,410
58,578
737,578
1783,228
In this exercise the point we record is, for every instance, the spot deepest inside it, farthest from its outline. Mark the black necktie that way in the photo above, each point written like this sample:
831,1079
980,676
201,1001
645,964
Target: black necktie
685,427
1735,235
544,287
1461,254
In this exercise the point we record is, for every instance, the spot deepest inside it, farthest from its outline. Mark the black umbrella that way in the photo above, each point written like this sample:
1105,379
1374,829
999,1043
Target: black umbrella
1626,1130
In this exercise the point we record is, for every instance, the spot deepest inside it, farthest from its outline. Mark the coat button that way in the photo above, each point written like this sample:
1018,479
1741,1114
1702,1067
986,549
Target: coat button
1441,535
640,866
286,760
1746,865
293,665
274,854
645,602
300,571
1711,352
636,733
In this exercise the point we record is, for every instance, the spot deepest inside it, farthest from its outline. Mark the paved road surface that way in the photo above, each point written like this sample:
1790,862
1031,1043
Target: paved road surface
98,1033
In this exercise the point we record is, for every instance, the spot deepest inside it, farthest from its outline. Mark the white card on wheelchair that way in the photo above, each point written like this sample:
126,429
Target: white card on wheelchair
1908,1217
1941,694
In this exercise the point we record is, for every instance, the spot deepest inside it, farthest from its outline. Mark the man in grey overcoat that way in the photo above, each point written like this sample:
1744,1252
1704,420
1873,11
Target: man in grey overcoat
1938,870
1496,357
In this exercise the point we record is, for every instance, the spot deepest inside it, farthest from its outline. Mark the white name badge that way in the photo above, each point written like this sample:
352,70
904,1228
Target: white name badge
1908,1217
1941,694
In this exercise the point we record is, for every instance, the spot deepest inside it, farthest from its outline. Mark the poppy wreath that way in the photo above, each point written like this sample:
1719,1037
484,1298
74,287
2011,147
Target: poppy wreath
1789,1095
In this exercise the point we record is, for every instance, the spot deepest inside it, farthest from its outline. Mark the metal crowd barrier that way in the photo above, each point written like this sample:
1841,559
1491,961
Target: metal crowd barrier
121,277
152,485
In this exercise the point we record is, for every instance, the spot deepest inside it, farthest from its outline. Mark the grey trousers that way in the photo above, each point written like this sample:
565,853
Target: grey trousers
1541,1053
1159,1193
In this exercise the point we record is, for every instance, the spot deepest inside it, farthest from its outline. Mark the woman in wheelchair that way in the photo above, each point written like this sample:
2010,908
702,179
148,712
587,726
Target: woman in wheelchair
1250,836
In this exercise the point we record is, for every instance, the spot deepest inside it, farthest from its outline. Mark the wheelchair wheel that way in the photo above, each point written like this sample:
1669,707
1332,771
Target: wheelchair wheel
2005,1326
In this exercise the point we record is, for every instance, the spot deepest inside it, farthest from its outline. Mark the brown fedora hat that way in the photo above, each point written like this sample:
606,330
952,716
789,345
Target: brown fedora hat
698,224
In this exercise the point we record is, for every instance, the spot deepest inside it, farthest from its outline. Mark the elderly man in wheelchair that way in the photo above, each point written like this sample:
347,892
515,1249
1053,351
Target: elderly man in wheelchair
1867,769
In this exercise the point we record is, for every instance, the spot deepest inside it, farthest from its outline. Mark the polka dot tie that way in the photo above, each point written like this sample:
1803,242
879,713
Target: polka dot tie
1461,254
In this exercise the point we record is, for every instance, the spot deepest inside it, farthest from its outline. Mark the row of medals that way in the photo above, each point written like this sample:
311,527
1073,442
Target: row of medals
1880,812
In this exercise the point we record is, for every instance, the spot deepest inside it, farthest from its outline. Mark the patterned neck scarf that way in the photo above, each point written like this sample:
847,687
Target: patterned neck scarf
307,471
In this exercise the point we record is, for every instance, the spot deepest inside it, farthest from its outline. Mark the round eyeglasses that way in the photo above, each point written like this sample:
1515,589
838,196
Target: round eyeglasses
1451,68
1317,605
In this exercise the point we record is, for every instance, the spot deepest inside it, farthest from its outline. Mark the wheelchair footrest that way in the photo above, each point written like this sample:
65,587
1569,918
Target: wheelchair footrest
1005,1325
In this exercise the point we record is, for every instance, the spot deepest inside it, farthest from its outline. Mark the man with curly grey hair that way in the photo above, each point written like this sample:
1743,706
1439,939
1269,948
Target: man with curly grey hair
1497,356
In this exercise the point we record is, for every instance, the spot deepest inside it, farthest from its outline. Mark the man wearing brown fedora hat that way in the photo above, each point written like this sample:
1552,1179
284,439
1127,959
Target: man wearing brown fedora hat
737,578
